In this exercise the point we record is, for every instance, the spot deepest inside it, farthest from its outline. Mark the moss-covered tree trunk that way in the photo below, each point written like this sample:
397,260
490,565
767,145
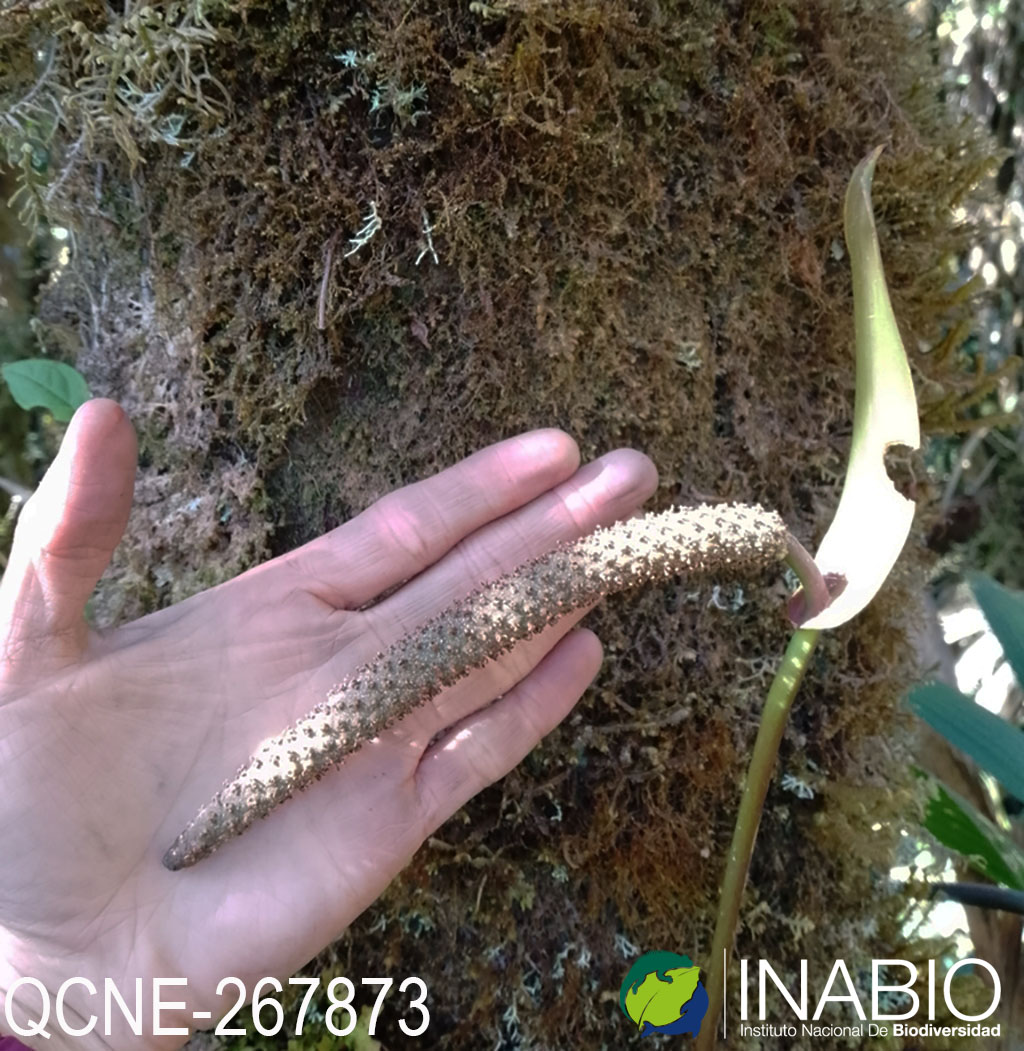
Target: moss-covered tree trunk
322,250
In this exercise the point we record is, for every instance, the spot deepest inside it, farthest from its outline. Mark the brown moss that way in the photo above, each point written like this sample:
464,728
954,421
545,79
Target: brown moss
637,215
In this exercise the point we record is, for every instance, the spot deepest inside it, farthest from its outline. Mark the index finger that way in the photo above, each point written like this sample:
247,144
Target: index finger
411,528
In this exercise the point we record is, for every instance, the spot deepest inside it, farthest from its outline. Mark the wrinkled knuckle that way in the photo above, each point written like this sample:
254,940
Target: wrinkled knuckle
486,764
530,719
408,531
434,807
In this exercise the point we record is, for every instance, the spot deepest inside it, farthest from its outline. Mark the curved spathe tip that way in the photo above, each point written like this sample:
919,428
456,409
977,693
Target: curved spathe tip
873,519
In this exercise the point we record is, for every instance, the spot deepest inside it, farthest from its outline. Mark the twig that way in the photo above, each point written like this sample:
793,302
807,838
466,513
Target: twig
321,312
18,492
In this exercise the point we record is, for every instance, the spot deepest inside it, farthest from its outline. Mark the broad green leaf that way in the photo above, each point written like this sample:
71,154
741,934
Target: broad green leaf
873,519
957,824
39,383
993,743
661,1003
1004,611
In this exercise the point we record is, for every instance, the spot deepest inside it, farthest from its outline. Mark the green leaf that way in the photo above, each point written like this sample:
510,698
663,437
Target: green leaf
659,1002
873,519
957,824
1004,611
993,743
39,383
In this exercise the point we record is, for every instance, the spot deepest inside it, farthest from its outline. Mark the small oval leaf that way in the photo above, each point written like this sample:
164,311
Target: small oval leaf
39,383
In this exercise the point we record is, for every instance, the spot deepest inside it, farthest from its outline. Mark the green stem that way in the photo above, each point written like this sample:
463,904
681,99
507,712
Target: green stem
759,775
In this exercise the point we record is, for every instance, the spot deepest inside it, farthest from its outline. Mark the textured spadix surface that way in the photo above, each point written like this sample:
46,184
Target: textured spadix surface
722,540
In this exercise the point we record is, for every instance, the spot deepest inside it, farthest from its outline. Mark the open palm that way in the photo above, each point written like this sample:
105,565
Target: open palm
109,743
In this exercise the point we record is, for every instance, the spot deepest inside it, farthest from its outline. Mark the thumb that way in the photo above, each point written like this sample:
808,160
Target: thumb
65,537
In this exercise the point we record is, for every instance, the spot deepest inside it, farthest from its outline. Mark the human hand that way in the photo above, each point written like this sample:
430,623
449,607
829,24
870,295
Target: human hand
108,743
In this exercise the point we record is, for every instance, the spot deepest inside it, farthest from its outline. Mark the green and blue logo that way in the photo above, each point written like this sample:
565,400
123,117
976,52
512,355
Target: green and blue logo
663,993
